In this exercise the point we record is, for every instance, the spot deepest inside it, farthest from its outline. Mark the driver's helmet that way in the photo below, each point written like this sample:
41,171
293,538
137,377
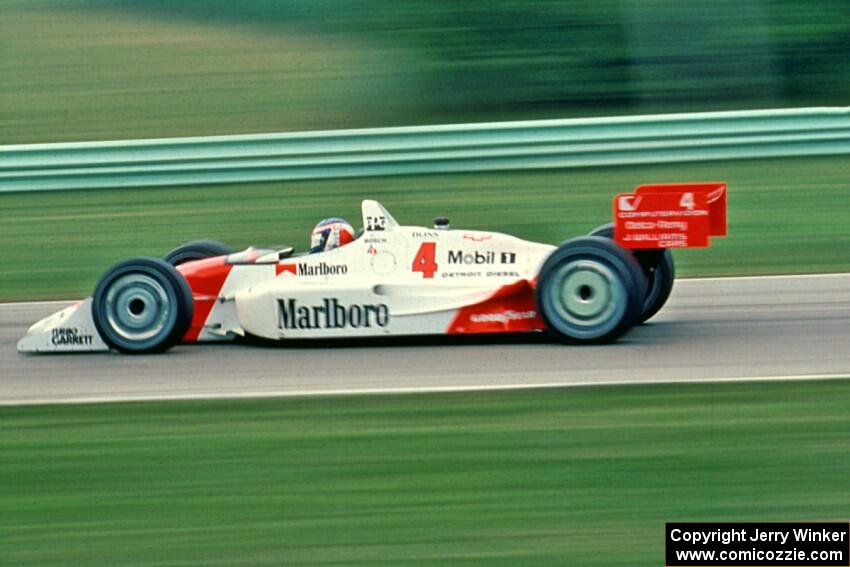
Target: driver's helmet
329,234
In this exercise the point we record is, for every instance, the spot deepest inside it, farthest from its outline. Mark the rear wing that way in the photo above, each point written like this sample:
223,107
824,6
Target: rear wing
682,215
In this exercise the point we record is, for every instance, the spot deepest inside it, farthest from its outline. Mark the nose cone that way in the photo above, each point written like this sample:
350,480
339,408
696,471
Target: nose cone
69,330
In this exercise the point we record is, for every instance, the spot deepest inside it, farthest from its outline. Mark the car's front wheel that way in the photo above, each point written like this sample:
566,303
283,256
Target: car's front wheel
590,290
142,305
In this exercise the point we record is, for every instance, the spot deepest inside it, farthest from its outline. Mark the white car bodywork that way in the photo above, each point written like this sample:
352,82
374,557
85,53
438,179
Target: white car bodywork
392,280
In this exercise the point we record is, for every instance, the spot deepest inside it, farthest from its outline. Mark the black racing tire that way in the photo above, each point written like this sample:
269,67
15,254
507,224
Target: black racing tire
142,305
197,250
605,230
660,280
660,274
590,290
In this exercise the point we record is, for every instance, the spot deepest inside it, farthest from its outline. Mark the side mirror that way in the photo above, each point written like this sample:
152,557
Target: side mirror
441,223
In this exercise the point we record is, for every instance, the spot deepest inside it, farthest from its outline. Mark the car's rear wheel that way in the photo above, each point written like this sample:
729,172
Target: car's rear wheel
660,274
590,290
142,305
197,250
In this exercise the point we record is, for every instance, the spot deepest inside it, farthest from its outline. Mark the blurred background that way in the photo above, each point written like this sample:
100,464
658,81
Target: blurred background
77,70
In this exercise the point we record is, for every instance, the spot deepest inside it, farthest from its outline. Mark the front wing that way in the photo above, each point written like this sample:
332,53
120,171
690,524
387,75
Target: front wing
69,330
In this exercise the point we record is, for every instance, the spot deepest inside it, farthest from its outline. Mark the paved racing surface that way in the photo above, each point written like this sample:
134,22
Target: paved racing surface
734,328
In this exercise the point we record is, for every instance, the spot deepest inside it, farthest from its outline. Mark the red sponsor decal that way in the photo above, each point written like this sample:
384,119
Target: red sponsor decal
512,309
477,238
290,268
670,216
206,278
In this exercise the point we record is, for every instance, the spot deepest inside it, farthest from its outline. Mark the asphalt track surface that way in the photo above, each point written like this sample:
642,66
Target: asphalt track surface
711,329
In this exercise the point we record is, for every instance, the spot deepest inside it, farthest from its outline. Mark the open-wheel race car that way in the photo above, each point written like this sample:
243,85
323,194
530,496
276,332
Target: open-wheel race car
399,280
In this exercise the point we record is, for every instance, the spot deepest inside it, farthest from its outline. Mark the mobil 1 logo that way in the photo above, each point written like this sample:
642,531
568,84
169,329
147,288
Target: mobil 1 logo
489,258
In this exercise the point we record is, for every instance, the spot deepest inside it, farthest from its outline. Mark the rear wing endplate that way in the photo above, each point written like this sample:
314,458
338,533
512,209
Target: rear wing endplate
682,215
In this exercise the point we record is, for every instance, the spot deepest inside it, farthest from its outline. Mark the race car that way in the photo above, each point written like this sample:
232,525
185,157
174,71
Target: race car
399,280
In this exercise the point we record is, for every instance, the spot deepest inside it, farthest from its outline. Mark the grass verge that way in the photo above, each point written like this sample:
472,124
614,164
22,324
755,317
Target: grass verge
582,476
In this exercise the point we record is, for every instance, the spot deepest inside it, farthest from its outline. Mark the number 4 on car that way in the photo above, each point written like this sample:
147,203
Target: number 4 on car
394,280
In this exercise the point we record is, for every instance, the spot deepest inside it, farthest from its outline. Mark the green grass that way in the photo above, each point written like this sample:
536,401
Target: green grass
70,71
582,476
785,216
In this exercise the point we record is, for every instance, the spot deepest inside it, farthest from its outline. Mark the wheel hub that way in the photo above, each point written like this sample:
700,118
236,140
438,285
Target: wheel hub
137,307
588,293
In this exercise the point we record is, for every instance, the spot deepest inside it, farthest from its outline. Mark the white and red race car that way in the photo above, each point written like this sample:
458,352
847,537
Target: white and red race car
399,280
